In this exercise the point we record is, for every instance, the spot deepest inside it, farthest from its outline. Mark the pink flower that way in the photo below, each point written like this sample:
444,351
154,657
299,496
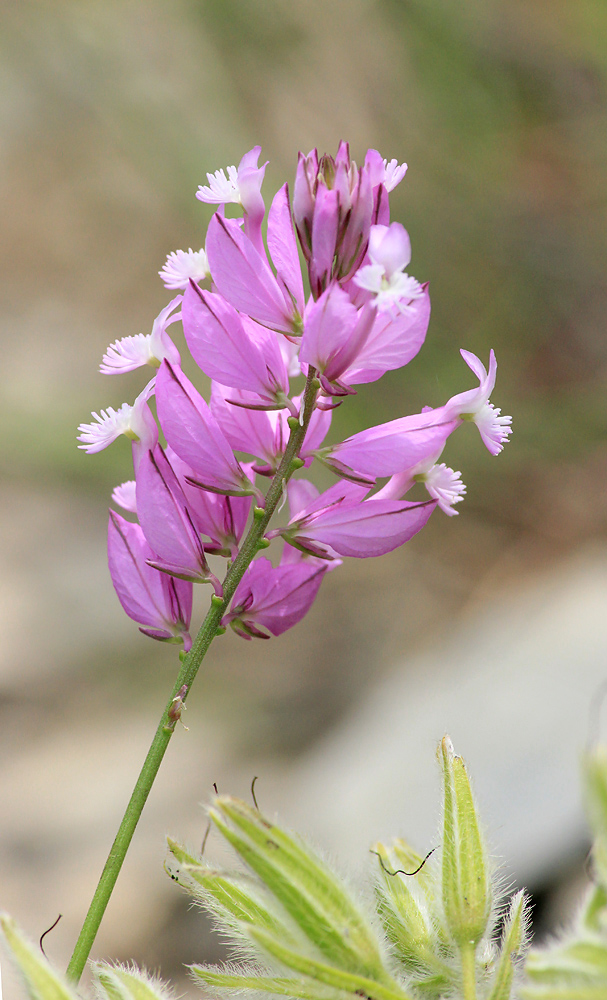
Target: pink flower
221,518
341,521
283,248
273,597
156,600
167,522
232,349
243,276
263,434
333,205
474,405
441,482
242,186
194,434
396,445
391,289
144,349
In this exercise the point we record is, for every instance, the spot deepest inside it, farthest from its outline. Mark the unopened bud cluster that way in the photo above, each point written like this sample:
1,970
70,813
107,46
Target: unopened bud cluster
279,362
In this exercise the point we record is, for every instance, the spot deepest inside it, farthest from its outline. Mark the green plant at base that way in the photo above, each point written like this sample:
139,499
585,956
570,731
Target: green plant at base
432,935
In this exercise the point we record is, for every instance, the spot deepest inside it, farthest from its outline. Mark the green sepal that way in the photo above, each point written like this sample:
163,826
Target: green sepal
309,892
513,940
234,898
329,975
466,888
115,982
41,981
406,906
305,989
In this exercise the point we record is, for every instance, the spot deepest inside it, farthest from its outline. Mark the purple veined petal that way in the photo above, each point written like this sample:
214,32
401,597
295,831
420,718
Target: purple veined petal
396,445
303,199
393,342
276,598
166,520
194,434
367,529
283,247
337,495
324,238
220,344
352,246
221,518
254,432
146,595
328,324
244,277
275,353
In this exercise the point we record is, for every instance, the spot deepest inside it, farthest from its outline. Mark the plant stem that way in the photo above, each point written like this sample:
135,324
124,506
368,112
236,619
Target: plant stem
468,953
186,676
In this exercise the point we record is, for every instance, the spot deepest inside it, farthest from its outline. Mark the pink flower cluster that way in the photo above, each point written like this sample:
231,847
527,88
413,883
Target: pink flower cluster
254,333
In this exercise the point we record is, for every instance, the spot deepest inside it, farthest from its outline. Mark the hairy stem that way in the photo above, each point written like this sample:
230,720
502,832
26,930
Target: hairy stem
186,676
468,953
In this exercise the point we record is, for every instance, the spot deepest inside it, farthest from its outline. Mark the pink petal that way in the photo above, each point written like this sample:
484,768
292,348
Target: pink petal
283,247
193,432
243,276
370,528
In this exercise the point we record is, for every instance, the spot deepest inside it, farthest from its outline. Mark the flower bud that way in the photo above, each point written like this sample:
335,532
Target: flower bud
406,904
466,886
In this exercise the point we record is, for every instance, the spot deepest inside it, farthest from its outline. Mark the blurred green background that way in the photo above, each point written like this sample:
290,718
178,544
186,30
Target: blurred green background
111,114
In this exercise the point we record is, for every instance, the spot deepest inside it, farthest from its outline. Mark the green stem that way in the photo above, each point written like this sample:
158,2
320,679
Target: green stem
188,672
468,953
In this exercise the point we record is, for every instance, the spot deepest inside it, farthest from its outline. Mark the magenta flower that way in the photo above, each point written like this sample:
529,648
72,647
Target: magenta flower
252,333
155,600
283,248
221,518
194,434
232,349
167,522
144,349
391,447
243,276
264,434
242,186
339,520
273,597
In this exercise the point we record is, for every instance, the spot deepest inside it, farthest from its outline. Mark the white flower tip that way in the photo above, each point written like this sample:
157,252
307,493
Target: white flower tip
124,496
181,265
